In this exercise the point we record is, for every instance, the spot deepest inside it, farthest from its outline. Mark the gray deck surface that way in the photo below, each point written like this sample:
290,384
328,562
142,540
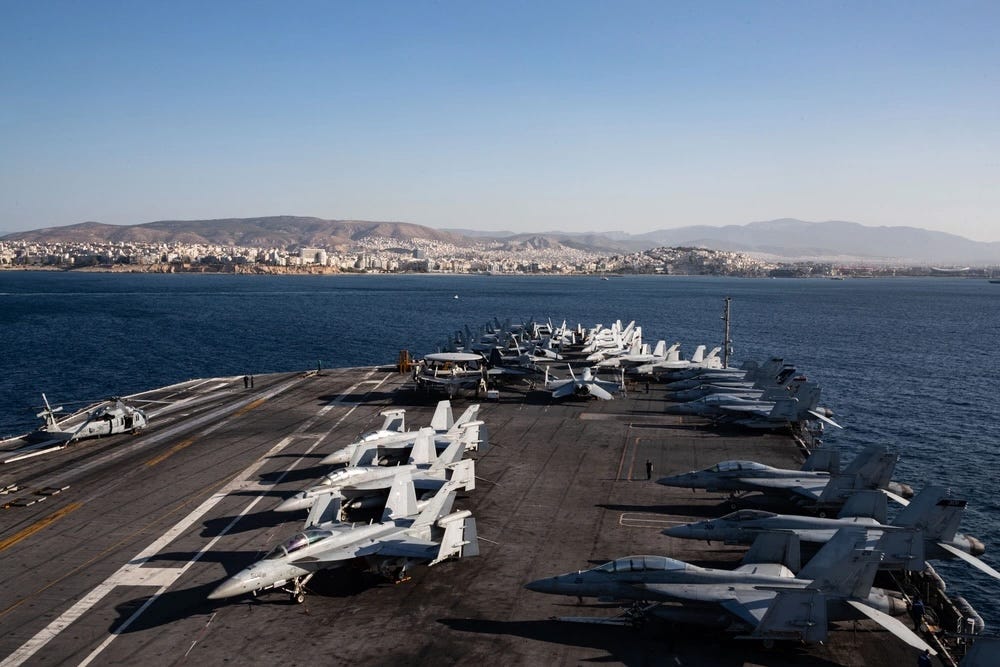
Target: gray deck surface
563,488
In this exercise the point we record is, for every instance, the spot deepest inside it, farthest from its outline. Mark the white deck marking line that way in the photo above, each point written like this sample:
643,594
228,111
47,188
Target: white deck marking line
124,574
636,520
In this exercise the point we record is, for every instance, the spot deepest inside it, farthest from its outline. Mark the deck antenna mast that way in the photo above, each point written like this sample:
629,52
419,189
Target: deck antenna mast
727,344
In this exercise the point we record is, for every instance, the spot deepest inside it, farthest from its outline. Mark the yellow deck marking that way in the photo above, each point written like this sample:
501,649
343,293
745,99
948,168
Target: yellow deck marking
38,525
256,404
173,450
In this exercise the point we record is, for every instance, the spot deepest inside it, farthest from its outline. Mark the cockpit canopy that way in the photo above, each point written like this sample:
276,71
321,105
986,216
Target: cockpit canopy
736,466
641,564
747,515
296,542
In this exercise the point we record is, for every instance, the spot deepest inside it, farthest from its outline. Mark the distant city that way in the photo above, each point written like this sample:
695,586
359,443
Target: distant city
376,254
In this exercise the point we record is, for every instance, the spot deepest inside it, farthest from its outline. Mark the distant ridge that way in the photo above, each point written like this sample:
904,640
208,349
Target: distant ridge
269,232
786,239
791,239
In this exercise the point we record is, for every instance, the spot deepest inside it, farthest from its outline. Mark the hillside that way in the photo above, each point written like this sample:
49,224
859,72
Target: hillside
267,232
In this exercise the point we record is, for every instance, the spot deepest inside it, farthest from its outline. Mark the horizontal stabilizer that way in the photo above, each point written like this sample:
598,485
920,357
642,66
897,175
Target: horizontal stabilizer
970,559
893,625
824,418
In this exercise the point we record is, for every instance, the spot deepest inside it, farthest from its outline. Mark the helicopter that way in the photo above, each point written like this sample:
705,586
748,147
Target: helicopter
107,418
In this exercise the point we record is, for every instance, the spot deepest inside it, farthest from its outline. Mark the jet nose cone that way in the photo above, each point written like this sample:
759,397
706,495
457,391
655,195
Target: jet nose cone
683,531
541,585
297,502
334,459
227,589
672,480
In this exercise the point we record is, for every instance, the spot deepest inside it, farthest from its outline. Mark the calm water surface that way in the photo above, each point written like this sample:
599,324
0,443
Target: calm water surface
911,363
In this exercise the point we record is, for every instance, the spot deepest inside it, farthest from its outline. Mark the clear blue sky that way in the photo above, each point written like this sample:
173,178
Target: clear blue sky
502,115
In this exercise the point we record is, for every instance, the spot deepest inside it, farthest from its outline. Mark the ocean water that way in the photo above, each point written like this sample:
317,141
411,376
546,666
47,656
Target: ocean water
911,363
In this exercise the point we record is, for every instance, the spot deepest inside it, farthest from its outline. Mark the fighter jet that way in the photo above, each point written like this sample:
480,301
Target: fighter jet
363,451
673,367
767,387
401,539
932,514
871,469
428,470
765,601
585,384
749,371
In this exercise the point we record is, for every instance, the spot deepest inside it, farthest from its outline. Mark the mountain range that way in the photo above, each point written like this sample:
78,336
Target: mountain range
785,239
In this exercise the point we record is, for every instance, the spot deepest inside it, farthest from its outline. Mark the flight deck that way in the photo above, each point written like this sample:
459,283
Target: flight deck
111,546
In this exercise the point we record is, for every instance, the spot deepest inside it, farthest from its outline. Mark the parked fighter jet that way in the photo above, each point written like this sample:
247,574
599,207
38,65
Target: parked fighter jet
749,371
762,598
673,366
871,469
365,449
401,539
766,387
428,471
585,384
107,418
932,513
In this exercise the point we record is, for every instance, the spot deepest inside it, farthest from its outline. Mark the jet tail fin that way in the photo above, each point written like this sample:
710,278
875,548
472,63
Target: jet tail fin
823,459
325,508
423,451
469,415
775,546
836,566
443,418
395,420
402,500
871,504
795,614
460,539
438,506
464,473
934,512
905,546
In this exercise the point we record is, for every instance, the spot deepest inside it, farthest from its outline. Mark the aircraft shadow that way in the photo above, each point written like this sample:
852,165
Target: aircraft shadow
656,643
181,604
251,522
297,475
701,510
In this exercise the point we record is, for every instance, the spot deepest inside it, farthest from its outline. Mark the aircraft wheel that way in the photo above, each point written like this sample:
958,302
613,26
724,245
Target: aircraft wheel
822,514
768,644
299,598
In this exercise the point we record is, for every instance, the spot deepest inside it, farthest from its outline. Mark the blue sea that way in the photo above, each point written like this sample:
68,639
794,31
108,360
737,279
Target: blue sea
909,362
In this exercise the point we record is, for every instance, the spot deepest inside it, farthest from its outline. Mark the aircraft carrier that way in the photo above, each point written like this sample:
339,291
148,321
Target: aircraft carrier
110,546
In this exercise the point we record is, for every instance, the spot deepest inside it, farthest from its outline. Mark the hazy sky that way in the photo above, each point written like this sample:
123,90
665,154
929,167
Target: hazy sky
502,115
